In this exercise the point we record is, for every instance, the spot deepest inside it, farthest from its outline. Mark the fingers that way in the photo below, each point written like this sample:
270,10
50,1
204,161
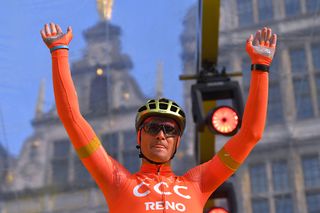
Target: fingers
43,33
273,40
47,30
53,29
269,33
264,37
250,39
59,30
268,36
256,40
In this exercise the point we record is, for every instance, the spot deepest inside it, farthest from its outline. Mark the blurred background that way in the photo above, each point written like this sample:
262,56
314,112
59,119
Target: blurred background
133,51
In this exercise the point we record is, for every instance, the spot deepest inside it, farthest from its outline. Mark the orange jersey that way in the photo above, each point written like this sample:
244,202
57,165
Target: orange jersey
156,188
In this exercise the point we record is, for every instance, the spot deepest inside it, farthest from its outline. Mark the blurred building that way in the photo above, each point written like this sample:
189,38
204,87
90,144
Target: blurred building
48,176
282,174
5,160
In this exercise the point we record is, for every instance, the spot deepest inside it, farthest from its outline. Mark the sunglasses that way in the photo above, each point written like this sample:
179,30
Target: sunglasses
154,128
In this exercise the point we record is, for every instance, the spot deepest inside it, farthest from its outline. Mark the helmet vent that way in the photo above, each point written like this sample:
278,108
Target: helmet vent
163,106
181,113
142,108
152,106
164,100
173,109
174,104
151,101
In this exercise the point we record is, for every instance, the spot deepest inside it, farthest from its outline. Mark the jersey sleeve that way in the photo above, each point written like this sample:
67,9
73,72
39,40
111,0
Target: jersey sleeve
210,175
106,171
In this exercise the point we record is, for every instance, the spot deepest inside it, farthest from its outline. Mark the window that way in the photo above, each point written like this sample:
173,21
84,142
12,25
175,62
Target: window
60,161
275,113
313,203
318,88
298,61
313,5
111,144
81,174
292,7
260,206
280,176
265,10
258,178
302,98
99,94
130,153
301,83
311,171
34,152
283,204
246,76
245,12
315,49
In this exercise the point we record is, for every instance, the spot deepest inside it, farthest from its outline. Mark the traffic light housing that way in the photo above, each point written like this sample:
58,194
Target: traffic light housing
214,90
225,191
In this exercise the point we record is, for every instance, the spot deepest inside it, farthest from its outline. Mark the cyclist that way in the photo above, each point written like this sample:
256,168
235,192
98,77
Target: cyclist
159,125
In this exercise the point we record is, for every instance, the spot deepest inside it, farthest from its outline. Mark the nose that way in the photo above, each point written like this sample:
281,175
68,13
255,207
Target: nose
160,135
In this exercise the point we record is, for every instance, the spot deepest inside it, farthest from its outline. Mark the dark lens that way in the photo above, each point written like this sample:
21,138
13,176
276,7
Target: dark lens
170,130
152,128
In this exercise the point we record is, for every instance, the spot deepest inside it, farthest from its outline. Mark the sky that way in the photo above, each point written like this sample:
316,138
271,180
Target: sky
150,34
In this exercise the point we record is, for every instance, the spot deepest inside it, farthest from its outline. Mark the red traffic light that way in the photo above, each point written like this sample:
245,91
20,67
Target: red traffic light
217,210
224,120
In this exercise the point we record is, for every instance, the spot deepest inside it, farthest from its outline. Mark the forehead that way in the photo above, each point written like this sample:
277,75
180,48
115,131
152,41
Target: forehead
159,119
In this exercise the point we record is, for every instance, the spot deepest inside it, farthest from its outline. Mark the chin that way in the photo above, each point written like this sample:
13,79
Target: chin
159,158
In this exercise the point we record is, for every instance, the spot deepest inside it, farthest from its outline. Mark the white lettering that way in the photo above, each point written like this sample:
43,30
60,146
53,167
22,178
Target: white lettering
136,190
180,207
170,205
160,205
176,190
157,186
149,205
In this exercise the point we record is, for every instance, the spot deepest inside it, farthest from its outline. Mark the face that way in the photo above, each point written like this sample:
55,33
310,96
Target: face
159,137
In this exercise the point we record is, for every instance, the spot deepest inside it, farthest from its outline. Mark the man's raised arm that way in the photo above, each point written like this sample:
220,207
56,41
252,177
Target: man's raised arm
213,173
87,145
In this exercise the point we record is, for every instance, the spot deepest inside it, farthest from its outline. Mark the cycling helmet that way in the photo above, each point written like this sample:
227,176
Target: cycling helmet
162,107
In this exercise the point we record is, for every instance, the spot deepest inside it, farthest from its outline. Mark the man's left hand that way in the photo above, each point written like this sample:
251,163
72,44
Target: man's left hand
262,46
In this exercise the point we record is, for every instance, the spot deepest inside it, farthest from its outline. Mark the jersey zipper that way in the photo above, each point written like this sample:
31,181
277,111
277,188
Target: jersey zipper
163,195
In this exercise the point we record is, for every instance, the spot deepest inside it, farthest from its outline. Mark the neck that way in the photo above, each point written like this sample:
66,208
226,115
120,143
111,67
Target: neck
144,162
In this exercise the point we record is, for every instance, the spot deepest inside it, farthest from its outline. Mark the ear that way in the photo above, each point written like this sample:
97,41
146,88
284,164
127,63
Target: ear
139,137
178,141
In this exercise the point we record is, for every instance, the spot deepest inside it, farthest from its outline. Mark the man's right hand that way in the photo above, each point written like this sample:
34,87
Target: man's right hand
53,36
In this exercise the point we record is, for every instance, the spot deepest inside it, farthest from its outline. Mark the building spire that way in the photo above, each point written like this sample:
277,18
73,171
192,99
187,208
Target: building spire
159,80
105,9
40,101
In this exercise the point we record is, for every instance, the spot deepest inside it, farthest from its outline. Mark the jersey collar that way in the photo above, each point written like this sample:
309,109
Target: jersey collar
156,169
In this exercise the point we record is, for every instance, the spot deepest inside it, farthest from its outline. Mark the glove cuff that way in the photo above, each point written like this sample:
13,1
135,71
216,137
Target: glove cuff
59,47
260,67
